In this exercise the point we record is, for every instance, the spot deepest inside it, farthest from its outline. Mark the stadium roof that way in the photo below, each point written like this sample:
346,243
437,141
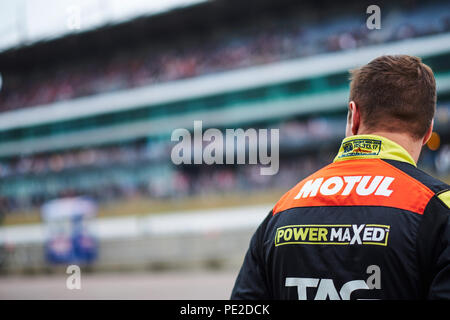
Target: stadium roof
24,22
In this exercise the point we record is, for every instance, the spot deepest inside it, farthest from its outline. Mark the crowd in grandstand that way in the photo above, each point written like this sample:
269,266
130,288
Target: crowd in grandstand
40,177
181,182
255,44
188,181
293,131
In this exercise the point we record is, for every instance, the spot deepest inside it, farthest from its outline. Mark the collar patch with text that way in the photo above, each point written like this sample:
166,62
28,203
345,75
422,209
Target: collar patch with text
361,147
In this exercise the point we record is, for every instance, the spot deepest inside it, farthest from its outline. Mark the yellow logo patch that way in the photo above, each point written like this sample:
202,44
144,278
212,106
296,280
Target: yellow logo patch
361,147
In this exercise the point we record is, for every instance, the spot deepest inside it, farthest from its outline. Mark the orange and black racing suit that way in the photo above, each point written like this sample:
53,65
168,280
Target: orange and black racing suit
368,226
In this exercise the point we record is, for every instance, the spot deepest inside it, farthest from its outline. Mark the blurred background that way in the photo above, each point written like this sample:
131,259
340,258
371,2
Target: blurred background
90,92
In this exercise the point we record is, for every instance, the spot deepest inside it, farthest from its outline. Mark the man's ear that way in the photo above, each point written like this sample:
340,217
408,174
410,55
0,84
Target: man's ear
428,134
355,120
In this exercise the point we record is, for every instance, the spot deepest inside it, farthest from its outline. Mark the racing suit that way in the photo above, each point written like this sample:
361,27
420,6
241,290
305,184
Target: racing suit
368,226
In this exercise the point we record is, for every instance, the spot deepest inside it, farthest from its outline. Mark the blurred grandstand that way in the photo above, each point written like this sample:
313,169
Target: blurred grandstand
91,113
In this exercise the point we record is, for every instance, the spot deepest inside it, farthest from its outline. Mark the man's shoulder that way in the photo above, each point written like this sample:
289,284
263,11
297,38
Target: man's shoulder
438,187
434,184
